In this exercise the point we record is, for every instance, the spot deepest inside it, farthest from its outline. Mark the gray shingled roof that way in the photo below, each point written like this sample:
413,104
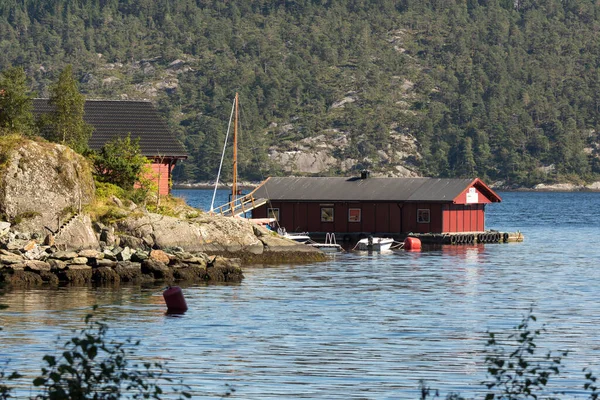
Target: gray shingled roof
114,118
356,189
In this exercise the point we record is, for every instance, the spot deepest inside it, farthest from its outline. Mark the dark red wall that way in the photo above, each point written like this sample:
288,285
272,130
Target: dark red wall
393,218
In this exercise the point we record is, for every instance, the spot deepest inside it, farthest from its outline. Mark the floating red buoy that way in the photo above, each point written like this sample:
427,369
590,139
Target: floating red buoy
174,299
412,244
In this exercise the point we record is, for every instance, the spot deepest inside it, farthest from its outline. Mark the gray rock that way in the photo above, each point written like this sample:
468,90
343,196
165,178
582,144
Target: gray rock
64,255
10,259
148,241
20,266
124,255
16,244
36,253
105,263
98,226
117,201
108,237
131,241
139,256
91,253
108,254
157,269
37,266
78,267
56,264
78,234
4,227
40,180
79,261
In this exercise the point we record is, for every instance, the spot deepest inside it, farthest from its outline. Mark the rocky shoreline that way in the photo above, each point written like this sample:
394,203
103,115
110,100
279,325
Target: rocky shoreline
56,267
29,260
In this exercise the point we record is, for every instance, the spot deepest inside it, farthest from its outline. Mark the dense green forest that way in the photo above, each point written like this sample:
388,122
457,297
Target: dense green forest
508,90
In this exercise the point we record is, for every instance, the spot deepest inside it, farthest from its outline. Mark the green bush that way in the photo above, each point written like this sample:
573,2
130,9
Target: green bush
119,162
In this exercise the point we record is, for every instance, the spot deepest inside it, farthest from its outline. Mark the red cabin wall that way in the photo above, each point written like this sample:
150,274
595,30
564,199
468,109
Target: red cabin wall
463,218
161,174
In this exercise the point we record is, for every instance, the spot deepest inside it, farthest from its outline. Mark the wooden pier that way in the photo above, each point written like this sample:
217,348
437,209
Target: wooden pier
469,237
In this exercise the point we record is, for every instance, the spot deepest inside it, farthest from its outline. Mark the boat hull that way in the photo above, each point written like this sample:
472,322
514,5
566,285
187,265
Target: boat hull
377,244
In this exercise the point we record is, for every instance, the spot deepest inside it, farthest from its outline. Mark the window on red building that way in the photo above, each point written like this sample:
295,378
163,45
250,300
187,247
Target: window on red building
423,216
273,213
326,214
354,215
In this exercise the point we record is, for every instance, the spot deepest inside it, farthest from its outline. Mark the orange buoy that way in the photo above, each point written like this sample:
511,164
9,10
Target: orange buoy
412,244
174,299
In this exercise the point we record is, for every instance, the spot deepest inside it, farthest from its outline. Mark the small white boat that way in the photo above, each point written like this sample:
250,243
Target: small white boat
374,244
300,237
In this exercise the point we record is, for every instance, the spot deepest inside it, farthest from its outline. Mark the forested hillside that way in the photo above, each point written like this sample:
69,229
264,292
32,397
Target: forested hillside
508,90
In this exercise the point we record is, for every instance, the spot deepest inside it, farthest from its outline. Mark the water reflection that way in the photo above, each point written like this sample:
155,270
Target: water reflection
357,326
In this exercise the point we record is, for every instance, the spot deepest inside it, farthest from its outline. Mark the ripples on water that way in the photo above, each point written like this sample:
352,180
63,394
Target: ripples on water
358,326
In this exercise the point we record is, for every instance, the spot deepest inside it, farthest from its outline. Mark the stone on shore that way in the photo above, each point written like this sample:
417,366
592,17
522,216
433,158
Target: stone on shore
157,269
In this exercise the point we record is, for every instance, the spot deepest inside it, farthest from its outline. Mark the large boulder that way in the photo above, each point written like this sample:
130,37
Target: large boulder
77,234
212,234
41,182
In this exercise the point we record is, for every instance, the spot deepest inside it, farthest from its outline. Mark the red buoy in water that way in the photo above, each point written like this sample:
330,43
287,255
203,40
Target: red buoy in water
174,299
412,244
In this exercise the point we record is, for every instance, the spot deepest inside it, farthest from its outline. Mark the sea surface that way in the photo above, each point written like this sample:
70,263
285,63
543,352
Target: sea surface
359,326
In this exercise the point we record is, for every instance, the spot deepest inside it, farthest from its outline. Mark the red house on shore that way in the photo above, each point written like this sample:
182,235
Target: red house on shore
118,118
379,206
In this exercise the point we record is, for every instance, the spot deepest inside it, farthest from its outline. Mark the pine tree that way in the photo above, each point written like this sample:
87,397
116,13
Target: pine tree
66,122
15,104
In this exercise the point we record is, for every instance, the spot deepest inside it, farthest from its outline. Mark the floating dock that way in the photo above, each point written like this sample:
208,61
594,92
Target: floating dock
469,237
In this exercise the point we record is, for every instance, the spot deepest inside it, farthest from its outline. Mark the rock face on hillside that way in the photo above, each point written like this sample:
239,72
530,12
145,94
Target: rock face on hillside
40,183
317,156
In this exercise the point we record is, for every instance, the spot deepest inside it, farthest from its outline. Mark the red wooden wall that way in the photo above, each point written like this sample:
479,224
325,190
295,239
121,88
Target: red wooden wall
161,174
463,218
392,218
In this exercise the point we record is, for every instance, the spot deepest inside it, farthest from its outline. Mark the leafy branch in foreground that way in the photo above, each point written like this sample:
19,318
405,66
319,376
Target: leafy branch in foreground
515,370
4,389
94,367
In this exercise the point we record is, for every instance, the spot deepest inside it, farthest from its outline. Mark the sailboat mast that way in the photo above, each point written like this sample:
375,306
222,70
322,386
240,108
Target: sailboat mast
235,132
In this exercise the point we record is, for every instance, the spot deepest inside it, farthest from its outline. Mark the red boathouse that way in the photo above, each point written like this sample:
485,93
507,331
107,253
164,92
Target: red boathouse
380,206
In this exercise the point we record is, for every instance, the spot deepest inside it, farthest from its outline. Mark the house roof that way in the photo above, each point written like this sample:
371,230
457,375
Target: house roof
370,189
117,118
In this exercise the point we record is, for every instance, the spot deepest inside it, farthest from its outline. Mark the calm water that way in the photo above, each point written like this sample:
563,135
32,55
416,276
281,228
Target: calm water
357,326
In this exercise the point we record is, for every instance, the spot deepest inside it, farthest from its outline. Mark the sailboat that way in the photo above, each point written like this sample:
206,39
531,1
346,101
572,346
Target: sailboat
238,204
